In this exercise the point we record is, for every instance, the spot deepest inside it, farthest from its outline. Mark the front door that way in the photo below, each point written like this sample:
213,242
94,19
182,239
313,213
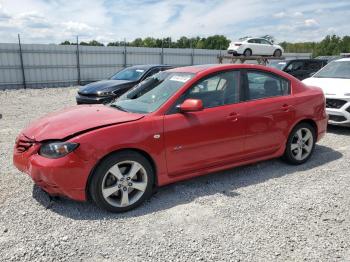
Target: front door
213,136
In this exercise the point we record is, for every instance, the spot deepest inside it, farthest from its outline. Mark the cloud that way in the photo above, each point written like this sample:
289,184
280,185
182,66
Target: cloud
53,21
311,23
280,15
288,15
76,26
3,15
31,20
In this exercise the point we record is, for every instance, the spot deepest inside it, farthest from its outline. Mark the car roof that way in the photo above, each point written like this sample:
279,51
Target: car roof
260,38
306,59
215,67
194,69
343,59
146,67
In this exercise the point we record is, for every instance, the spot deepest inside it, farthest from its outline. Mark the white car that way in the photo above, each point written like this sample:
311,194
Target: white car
334,79
255,46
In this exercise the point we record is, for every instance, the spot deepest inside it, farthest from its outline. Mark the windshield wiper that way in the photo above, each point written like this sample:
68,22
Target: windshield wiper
119,107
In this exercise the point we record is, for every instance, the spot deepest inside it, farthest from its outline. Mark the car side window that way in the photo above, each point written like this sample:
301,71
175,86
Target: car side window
263,85
297,65
151,72
313,65
265,42
217,90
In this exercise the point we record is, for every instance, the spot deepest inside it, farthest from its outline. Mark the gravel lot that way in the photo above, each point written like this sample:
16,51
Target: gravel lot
262,212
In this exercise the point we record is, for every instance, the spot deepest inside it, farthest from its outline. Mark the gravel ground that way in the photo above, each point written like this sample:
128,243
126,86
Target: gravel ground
264,212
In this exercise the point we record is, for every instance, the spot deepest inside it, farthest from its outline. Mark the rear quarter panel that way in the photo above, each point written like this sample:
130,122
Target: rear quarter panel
309,103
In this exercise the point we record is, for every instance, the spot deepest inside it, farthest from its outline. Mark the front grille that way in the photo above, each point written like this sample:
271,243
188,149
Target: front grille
334,103
337,118
23,143
88,95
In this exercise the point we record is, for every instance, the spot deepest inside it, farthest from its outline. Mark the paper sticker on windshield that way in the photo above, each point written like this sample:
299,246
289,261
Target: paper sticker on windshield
282,63
182,79
140,70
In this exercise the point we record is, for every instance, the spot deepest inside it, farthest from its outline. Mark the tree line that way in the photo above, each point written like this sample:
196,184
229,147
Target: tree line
211,42
330,45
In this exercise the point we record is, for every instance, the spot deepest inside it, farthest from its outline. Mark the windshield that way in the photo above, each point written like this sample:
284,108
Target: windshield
151,93
277,64
131,74
335,69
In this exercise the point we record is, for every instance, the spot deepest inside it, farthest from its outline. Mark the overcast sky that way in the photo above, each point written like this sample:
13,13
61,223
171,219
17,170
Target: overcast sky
53,21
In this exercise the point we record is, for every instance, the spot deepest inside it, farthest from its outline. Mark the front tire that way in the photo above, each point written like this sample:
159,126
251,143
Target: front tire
277,53
122,182
300,144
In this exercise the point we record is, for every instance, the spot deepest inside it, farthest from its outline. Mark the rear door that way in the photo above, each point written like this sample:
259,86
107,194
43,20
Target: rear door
270,112
211,137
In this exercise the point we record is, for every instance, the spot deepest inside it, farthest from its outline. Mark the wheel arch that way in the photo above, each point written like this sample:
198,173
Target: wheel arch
248,48
308,121
137,150
277,49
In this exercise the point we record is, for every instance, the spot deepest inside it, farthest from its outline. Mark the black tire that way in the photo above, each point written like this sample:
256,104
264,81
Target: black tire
277,53
290,155
98,178
248,52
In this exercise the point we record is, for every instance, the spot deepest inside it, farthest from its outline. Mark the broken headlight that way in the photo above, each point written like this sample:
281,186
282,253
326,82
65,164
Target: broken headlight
57,149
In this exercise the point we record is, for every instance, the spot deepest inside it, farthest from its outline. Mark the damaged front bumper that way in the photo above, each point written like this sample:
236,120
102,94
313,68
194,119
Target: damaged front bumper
66,176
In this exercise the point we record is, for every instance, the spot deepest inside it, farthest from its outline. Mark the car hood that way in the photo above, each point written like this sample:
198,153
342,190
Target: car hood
76,120
330,86
102,85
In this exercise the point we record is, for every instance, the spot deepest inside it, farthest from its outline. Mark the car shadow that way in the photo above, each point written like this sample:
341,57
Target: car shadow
338,130
224,182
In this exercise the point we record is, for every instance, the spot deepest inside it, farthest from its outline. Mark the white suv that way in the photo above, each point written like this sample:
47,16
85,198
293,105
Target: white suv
334,79
255,46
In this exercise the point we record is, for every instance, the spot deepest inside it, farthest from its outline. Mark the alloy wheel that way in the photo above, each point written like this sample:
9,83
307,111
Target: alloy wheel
302,144
124,183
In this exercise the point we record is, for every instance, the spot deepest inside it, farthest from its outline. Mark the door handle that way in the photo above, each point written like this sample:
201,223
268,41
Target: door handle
232,117
286,107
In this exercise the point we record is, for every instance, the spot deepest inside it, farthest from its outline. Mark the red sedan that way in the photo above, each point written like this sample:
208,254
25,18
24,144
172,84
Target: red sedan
176,125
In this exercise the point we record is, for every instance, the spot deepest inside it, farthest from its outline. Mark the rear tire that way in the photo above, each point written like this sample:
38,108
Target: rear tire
247,52
277,53
122,181
300,144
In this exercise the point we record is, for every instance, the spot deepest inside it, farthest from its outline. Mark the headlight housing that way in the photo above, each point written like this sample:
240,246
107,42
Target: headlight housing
105,93
57,149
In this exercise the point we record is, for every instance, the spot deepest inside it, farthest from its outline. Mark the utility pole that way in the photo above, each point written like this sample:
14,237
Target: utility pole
192,52
125,53
22,65
78,61
162,53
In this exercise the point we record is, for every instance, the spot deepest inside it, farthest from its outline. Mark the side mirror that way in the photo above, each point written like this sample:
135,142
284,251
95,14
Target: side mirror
191,105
